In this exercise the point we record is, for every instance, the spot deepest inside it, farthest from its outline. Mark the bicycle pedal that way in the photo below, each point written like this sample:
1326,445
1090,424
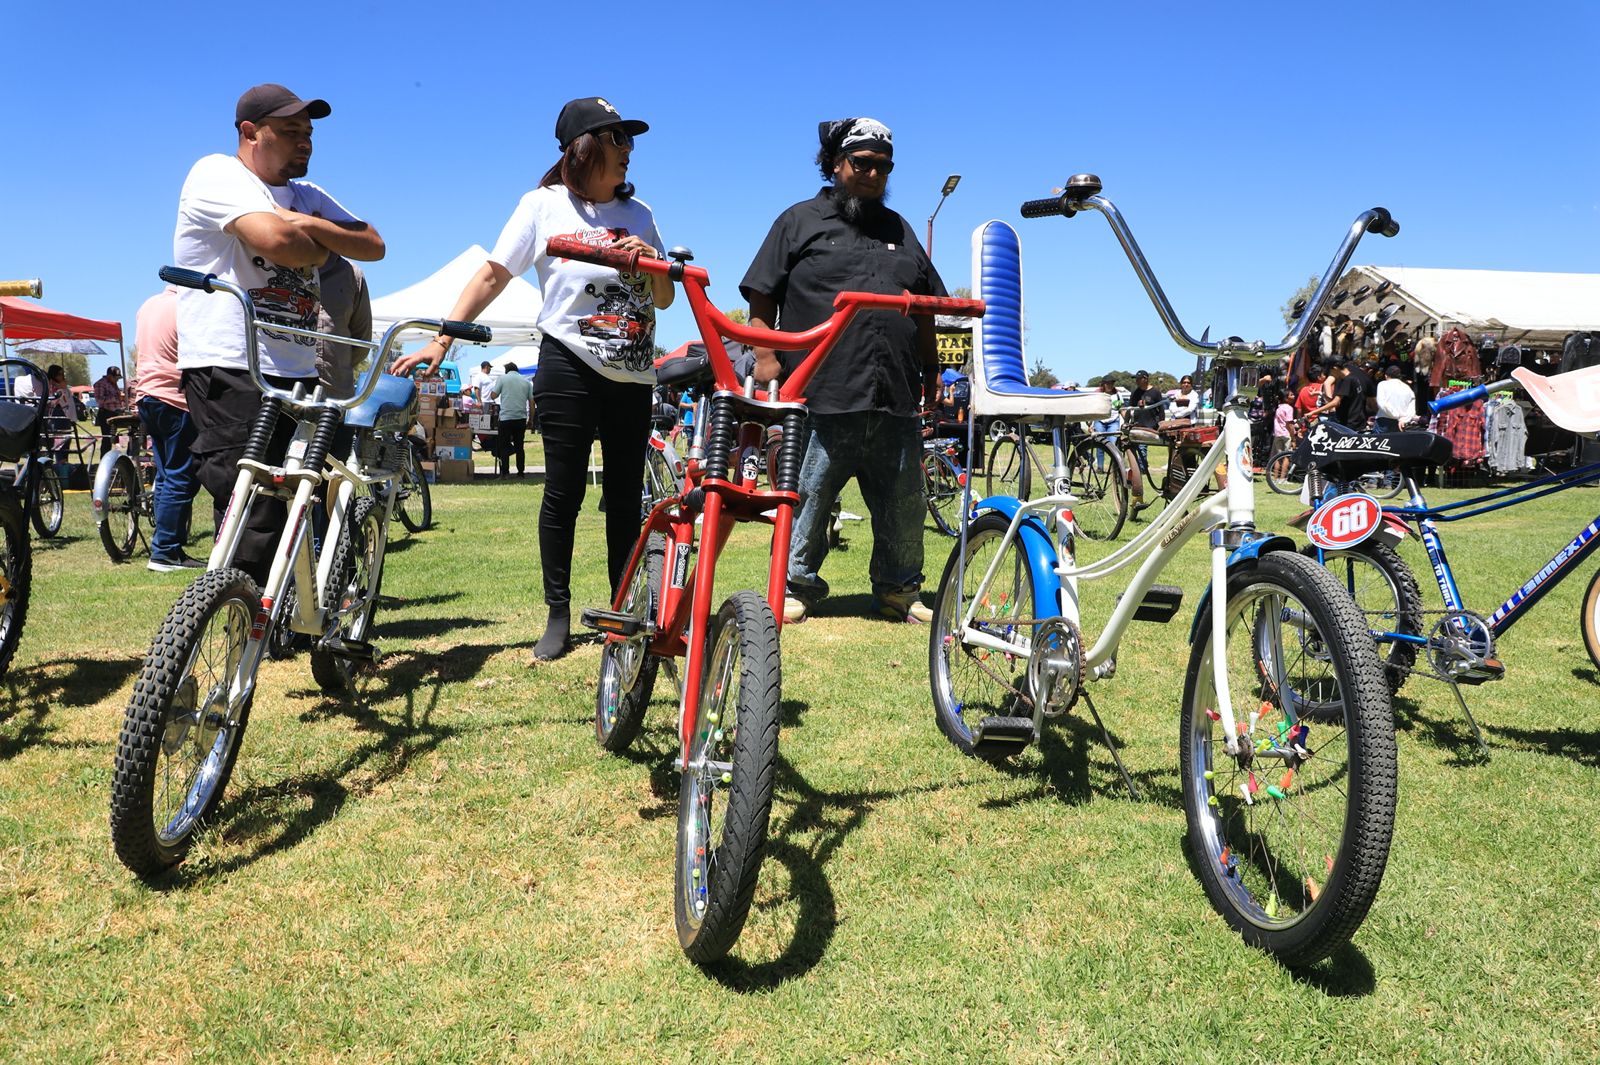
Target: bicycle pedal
1161,603
1482,672
996,734
614,622
354,650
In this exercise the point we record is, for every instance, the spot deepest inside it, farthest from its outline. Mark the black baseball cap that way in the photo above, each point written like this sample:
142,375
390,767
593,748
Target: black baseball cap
1142,373
588,114
275,101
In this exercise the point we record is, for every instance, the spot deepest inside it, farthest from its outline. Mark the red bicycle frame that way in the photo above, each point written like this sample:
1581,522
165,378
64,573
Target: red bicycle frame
721,501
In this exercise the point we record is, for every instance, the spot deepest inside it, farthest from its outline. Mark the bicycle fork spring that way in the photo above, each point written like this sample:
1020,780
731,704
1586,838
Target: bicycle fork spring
790,453
721,433
255,449
328,420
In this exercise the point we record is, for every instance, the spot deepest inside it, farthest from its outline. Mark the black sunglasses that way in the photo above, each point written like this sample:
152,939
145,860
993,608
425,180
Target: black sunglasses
865,164
619,137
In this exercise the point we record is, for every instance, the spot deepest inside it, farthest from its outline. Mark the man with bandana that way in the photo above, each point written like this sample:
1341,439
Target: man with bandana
865,398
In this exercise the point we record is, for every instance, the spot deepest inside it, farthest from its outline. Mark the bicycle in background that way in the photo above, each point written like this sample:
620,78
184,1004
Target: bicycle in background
191,702
124,490
665,607
1286,740
24,393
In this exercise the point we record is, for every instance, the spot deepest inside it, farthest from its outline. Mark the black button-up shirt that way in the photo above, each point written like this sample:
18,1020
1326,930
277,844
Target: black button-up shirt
809,257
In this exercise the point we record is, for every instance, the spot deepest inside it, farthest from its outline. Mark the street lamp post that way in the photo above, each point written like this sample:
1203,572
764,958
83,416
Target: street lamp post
950,184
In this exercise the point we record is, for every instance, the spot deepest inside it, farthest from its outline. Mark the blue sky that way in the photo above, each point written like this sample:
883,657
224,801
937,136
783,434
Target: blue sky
1238,139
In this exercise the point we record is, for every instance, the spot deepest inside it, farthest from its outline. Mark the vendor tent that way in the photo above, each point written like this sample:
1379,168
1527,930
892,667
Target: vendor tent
1534,310
22,321
513,315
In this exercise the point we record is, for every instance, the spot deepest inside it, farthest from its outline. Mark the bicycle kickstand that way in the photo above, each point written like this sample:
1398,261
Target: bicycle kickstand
1105,734
1461,700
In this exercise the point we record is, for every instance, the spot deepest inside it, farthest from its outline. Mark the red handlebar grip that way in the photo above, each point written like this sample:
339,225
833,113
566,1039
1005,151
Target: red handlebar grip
955,308
568,248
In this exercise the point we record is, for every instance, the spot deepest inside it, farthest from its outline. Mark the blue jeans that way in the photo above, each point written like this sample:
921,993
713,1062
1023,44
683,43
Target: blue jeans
883,452
172,436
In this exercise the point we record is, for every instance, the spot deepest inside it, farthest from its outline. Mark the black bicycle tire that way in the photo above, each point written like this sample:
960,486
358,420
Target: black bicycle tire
47,519
1085,473
1283,482
948,710
616,731
1354,873
736,860
335,674
121,550
1002,483
415,483
1407,597
133,778
942,490
16,571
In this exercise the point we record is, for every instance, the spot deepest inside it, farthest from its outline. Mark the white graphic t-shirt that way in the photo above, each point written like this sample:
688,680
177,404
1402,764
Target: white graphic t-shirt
218,190
606,319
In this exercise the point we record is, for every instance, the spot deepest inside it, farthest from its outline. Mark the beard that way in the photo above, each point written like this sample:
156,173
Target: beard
858,211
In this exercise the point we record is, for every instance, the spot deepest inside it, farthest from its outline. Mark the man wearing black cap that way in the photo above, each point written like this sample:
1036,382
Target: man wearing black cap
865,398
249,219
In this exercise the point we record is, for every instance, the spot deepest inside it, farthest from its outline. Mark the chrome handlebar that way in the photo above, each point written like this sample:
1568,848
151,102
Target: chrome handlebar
469,331
1377,220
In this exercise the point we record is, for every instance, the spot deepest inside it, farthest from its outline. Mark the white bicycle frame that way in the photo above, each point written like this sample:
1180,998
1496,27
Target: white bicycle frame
1232,510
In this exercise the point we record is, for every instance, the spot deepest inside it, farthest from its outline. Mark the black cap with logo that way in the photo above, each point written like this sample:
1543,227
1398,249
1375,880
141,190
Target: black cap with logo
588,114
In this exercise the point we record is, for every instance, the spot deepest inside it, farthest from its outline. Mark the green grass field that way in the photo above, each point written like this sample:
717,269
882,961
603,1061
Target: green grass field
452,870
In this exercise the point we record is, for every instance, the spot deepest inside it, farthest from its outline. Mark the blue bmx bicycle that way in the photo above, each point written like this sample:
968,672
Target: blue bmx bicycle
1356,538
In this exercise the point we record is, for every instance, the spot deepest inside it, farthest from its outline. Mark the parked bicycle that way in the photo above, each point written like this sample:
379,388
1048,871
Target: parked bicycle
191,703
1286,740
1357,540
1286,471
944,477
22,404
731,679
1086,465
124,491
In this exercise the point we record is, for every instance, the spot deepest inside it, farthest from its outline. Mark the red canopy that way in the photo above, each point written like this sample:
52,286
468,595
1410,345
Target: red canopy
25,320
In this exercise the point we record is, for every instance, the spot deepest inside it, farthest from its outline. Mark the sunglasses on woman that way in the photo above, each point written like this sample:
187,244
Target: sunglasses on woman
865,164
619,138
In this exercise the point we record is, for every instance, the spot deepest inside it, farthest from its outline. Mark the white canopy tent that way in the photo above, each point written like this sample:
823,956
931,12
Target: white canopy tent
512,315
1535,310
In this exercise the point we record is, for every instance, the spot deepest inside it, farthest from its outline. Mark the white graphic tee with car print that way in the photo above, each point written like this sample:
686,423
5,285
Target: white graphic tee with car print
605,318
219,190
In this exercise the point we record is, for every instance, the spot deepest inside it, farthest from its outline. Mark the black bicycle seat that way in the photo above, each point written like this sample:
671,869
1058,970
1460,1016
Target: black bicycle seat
693,367
1344,454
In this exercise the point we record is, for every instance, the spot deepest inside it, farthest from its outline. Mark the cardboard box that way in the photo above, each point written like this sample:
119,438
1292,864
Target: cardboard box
427,404
482,423
430,471
453,454
452,436
451,471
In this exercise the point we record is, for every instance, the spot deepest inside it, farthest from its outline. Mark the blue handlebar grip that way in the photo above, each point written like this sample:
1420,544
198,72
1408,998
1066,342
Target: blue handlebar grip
177,275
468,331
1458,399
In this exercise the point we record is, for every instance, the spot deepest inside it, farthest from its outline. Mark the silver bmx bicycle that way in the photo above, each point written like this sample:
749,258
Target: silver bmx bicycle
1286,740
348,459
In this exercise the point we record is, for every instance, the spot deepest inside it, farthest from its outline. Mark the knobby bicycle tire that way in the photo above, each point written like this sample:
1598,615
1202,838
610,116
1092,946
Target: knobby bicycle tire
1391,603
350,607
1295,864
171,717
16,577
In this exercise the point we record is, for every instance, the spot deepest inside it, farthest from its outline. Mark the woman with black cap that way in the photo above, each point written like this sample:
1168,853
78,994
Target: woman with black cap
596,361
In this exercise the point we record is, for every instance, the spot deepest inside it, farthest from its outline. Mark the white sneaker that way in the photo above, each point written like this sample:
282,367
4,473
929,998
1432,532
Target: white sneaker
794,611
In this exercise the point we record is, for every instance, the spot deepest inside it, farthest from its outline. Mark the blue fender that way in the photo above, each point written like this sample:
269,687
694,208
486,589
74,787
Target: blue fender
1038,546
1245,554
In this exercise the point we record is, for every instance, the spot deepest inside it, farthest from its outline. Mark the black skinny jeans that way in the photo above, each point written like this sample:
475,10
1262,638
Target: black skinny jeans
574,404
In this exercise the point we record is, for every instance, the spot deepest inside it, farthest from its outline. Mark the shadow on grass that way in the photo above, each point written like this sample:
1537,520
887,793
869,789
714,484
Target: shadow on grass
1450,734
1346,973
271,816
1065,748
1582,746
423,628
58,542
30,694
